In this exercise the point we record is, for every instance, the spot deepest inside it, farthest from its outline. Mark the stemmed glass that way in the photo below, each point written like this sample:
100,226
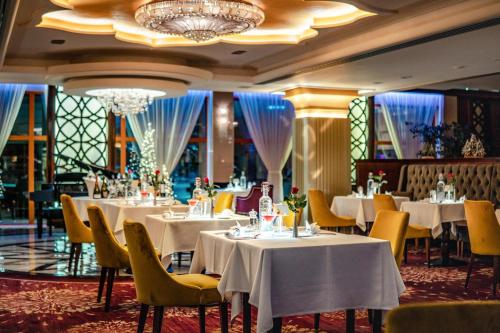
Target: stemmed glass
192,206
267,223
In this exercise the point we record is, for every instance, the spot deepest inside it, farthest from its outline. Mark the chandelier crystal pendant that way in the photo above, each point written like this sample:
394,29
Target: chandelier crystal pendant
199,20
125,101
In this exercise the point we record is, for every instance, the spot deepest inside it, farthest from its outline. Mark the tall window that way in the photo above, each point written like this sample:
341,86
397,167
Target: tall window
23,160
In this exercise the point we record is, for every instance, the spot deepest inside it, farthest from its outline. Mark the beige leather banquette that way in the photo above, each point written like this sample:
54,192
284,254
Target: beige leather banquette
475,181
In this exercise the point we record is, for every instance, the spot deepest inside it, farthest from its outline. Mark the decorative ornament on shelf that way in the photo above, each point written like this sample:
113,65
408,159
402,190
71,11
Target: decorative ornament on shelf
211,193
295,203
148,164
473,148
378,181
199,20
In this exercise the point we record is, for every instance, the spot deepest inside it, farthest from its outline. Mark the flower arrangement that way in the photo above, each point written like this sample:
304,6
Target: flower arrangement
450,179
155,180
379,180
211,192
295,201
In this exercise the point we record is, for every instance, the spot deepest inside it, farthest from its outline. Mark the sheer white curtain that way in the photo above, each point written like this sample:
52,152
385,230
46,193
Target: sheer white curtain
173,120
269,119
401,111
11,97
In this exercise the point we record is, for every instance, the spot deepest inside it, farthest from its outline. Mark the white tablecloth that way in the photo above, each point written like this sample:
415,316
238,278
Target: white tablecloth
497,213
359,208
432,215
117,211
302,276
180,235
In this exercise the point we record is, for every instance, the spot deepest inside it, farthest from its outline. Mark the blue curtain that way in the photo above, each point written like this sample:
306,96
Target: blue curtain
269,119
11,97
173,120
401,111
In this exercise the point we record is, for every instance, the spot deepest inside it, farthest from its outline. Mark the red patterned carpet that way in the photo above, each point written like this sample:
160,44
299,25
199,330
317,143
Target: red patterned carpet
41,304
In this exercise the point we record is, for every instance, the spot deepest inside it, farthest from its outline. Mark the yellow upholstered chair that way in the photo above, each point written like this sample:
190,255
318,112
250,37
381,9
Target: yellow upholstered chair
288,219
156,287
111,255
456,317
224,201
323,216
386,202
484,235
392,226
78,233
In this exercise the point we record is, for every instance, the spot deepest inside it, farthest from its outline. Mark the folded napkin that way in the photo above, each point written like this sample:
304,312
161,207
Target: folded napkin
313,228
173,216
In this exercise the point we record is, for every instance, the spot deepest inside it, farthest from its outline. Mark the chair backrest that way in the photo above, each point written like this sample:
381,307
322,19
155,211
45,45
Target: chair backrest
153,284
108,250
320,211
384,202
457,317
76,230
224,201
484,230
392,226
245,204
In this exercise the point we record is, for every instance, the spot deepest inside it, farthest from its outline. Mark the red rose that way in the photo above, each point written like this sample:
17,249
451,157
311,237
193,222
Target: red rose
380,172
295,190
450,175
130,171
206,180
157,172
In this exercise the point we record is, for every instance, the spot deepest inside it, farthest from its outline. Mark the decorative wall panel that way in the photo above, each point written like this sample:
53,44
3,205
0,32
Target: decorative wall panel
80,132
358,113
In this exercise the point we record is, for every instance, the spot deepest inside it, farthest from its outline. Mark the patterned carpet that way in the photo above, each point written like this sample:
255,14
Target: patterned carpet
61,304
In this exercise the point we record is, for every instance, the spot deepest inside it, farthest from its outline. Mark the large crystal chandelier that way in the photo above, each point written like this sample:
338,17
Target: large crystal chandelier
199,20
125,101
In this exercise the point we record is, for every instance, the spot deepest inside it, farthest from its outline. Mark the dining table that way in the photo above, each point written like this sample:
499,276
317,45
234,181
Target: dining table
360,208
172,234
287,276
442,218
118,210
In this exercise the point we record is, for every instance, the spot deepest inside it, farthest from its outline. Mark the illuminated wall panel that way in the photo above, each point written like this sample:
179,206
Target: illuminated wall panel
358,113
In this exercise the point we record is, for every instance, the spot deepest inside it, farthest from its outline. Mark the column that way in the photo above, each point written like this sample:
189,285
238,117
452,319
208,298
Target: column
321,140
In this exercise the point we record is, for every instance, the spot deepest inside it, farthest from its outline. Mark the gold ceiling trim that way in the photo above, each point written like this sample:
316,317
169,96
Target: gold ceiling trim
114,17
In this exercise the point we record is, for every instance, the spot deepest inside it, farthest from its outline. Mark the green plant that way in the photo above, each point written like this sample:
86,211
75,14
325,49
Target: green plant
451,138
211,192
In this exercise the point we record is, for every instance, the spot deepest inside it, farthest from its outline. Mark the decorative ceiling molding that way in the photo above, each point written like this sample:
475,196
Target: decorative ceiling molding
287,21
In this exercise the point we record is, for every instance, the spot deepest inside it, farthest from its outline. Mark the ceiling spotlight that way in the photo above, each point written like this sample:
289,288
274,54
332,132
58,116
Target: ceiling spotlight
238,52
378,82
57,41
459,67
404,77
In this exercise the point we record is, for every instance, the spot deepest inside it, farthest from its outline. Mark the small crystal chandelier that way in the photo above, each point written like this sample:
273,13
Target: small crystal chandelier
199,20
123,102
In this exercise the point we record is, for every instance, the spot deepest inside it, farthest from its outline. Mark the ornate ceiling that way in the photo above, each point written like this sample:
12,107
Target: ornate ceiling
286,22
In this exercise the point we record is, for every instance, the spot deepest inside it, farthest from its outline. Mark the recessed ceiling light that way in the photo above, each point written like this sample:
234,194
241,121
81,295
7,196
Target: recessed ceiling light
57,41
378,82
404,77
244,87
365,91
459,67
238,52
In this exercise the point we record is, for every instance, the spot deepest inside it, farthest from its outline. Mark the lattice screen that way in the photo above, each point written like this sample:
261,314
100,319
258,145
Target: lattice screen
81,131
479,119
358,113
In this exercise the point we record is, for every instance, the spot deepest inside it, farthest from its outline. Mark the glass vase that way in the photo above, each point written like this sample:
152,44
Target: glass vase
295,231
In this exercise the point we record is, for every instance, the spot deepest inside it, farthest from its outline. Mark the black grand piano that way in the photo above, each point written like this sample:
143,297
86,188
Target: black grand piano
70,183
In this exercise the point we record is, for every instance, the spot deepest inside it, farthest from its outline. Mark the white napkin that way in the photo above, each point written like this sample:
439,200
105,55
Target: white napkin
226,213
313,228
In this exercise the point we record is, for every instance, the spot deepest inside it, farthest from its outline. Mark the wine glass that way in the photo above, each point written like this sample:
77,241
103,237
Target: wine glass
192,206
267,223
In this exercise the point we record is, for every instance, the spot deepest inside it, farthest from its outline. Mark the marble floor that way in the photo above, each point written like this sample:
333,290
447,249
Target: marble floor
24,253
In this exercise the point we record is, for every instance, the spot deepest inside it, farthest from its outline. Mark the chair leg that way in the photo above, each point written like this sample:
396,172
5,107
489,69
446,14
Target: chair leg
469,269
157,318
102,281
143,315
377,321
277,324
109,288
201,317
349,320
71,255
416,244
317,317
78,253
496,273
406,252
224,322
428,251
370,316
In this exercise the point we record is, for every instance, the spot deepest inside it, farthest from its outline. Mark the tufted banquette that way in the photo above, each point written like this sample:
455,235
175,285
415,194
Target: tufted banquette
475,181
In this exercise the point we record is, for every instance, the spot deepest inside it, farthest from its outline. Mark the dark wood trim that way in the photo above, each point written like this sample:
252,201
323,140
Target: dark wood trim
51,139
371,127
111,140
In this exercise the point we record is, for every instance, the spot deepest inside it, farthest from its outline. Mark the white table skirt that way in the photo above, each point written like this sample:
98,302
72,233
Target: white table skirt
361,209
432,215
170,236
497,213
117,211
317,274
